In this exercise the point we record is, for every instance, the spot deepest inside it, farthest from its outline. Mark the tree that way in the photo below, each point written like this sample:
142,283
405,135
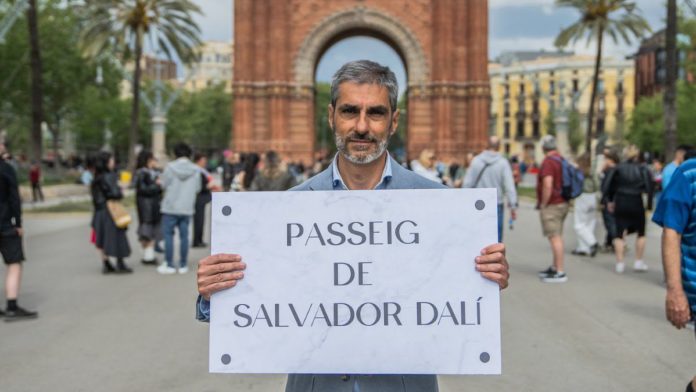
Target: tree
617,18
202,119
122,26
324,134
646,123
36,82
670,91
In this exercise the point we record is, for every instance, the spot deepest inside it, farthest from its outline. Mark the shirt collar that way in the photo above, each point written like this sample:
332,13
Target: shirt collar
338,183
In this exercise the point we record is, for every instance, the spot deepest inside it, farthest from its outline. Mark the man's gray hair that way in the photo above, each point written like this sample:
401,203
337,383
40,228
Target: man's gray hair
366,72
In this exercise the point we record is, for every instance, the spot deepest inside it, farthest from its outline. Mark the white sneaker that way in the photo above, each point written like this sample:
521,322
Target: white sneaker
620,267
164,269
640,266
183,270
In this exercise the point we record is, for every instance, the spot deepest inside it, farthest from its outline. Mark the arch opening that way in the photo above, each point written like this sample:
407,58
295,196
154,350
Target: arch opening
350,46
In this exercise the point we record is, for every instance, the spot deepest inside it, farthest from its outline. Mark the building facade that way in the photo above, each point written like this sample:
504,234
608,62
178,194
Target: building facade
216,66
443,43
651,65
525,94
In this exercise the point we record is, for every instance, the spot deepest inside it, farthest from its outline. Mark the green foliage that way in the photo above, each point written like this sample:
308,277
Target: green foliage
324,134
550,124
646,129
202,119
575,134
73,101
616,18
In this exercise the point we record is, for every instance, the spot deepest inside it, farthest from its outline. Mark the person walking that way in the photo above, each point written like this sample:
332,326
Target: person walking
148,196
181,183
109,239
11,234
553,208
35,180
611,159
274,176
676,214
585,212
242,181
669,170
203,197
230,167
490,169
625,188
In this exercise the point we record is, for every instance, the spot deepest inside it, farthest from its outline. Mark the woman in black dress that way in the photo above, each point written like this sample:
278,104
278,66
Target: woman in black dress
111,240
148,195
625,188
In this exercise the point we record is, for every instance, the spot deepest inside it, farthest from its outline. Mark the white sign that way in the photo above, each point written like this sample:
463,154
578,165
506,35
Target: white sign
364,282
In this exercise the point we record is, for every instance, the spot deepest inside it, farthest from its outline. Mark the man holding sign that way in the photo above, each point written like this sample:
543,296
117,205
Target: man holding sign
363,116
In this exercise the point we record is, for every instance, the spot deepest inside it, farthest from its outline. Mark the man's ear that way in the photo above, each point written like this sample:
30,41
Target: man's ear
395,121
330,113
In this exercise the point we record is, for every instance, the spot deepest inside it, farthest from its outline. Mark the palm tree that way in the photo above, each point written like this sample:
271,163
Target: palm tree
670,96
36,82
123,25
617,18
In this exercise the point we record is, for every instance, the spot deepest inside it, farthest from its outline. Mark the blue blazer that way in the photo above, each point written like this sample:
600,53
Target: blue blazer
401,179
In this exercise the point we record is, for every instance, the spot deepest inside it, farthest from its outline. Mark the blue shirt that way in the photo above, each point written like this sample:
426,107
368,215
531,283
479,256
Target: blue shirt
667,174
338,185
677,210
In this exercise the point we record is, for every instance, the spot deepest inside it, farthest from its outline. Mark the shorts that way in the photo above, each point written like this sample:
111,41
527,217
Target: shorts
11,246
552,217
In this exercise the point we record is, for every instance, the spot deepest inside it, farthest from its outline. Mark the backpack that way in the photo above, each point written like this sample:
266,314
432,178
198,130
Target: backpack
573,179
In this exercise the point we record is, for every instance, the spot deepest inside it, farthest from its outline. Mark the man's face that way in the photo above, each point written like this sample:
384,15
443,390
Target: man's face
362,121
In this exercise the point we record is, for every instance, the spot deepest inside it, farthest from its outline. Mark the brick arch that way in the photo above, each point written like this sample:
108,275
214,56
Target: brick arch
443,43
365,21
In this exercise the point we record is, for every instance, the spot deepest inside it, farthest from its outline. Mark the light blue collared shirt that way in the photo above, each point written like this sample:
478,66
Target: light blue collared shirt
339,185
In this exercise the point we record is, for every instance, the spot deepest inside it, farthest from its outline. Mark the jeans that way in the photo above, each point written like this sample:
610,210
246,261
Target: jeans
181,222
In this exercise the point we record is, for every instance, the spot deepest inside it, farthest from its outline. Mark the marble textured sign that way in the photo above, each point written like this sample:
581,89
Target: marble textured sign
366,282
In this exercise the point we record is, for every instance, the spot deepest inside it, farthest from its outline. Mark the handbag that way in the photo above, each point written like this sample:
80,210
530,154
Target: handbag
119,214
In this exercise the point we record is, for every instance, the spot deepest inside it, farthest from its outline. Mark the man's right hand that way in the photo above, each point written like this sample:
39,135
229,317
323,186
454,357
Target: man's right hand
219,272
677,308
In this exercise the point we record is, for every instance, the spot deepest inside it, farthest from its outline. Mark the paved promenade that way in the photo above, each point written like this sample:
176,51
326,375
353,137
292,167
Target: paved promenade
598,332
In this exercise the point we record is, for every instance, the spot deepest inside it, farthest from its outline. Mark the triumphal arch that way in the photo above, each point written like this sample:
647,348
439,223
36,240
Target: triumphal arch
442,43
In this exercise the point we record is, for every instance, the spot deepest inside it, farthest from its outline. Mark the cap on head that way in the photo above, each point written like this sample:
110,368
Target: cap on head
548,143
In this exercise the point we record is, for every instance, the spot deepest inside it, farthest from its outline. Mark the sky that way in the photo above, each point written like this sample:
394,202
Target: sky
513,25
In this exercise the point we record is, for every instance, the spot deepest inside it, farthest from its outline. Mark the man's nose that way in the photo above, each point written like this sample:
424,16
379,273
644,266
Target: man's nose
361,126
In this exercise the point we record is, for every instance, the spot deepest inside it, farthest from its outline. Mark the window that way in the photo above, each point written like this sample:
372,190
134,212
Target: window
552,87
506,109
619,105
506,130
600,125
520,128
536,133
576,86
535,105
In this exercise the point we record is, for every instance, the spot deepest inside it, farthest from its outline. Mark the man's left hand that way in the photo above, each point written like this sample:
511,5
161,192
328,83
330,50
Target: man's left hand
493,265
20,231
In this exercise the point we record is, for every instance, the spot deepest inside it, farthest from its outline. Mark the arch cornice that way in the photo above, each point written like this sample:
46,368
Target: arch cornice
360,18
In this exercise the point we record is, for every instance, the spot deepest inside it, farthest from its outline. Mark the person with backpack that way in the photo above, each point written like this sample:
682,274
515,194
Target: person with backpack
553,207
625,187
490,169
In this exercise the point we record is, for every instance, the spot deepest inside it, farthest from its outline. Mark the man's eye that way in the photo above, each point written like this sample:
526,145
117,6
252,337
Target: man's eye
349,110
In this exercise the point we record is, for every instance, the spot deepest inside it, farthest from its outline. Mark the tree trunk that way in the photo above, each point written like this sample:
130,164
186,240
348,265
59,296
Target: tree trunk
593,97
36,83
670,93
135,111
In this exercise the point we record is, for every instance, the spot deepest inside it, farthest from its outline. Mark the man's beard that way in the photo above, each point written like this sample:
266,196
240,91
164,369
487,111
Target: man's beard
342,146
